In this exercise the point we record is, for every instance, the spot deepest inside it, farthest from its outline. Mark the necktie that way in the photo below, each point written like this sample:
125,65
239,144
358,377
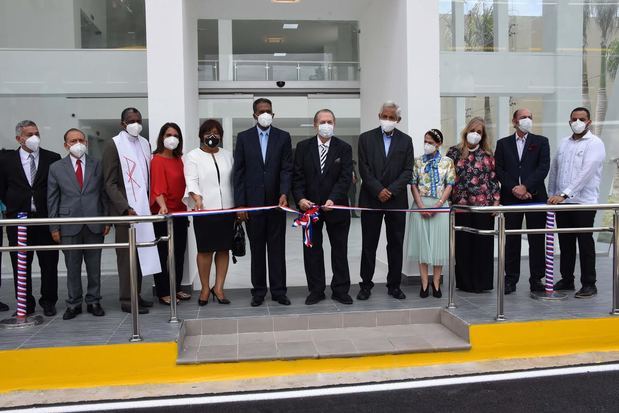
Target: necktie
263,145
323,156
33,169
79,174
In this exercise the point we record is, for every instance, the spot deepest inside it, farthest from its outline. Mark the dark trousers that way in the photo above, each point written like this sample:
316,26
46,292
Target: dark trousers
267,236
73,260
536,247
371,223
474,253
122,263
162,279
586,246
338,225
48,262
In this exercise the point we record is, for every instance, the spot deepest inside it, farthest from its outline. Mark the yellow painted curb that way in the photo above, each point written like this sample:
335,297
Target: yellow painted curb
153,363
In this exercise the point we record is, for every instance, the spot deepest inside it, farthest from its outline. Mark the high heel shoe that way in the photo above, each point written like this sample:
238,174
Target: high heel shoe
436,292
219,300
201,302
424,293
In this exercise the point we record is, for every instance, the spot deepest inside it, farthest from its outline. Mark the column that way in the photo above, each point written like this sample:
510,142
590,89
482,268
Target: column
457,16
226,63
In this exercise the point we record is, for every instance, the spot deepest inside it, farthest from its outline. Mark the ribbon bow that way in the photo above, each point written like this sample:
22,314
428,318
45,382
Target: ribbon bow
305,221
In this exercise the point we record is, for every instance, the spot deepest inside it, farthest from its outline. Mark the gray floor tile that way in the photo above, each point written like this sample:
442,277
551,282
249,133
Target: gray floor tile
373,345
256,338
322,321
255,324
217,353
292,336
290,322
393,317
359,319
410,344
257,351
219,340
301,349
341,348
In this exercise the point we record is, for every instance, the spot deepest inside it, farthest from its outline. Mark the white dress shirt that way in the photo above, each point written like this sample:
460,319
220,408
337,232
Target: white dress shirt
74,162
520,144
576,170
25,163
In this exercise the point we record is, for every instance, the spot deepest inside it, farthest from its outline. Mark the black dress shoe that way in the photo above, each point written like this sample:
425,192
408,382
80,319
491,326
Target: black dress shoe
3,307
424,293
314,298
537,286
587,291
436,292
50,310
342,298
364,294
71,312
127,309
282,299
396,293
144,303
564,285
95,309
509,288
257,301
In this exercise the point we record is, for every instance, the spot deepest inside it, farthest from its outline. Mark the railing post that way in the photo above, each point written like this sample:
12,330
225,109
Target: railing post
500,291
615,309
172,270
452,258
133,279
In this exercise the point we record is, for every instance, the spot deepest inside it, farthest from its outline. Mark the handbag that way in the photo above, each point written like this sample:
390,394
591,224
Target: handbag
238,241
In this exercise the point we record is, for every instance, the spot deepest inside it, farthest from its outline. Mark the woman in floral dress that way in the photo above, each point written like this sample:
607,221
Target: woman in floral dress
476,185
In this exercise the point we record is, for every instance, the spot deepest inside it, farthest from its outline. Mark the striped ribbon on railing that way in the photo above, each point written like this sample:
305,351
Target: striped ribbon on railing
550,252
22,268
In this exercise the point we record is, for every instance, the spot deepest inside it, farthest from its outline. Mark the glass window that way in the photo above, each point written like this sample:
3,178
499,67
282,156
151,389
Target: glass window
526,26
208,50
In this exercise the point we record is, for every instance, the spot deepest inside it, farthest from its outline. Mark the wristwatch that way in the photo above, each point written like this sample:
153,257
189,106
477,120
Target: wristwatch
565,196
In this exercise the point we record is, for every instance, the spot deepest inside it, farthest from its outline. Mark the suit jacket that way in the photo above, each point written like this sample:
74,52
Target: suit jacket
66,199
309,183
258,182
379,170
531,170
16,192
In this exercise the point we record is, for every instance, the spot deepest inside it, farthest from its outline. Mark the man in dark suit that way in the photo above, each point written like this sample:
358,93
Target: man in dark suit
23,188
262,177
522,163
75,189
322,176
3,306
386,166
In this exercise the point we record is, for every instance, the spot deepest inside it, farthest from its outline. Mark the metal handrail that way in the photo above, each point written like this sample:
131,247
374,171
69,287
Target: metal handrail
501,232
132,245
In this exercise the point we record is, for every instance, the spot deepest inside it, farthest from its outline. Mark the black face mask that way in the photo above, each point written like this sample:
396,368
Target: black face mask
211,141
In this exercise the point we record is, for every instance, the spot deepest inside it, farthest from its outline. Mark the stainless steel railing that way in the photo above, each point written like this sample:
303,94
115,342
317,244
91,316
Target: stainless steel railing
132,244
502,233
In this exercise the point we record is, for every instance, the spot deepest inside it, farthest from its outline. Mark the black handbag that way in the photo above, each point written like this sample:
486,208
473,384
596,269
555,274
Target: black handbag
238,241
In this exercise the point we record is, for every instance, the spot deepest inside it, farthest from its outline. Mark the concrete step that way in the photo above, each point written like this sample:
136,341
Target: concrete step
344,334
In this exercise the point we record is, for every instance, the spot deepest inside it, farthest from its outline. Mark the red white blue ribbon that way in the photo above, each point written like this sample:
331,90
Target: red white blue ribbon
22,268
550,252
305,221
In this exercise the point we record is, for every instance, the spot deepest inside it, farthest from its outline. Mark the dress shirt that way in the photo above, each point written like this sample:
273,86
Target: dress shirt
387,141
74,163
576,170
263,136
25,163
520,144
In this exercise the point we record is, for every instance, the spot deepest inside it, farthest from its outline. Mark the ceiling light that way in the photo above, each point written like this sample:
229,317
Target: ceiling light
291,26
279,54
274,39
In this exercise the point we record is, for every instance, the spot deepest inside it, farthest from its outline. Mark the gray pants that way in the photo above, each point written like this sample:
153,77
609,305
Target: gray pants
73,260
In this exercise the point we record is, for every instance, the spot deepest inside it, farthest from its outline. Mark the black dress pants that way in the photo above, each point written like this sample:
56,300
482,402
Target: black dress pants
162,279
586,246
537,248
474,253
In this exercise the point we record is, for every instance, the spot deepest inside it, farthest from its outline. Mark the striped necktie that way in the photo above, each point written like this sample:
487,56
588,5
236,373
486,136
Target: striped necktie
323,156
33,169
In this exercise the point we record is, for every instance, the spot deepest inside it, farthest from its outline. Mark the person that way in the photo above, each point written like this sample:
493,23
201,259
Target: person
3,306
126,171
208,173
575,176
433,178
75,189
476,184
262,177
23,188
522,163
322,175
352,192
385,166
167,188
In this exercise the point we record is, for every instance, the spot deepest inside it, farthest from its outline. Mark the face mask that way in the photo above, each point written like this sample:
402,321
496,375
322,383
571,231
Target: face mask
387,125
78,149
134,129
211,141
33,142
578,127
265,120
473,138
171,142
525,125
428,148
325,130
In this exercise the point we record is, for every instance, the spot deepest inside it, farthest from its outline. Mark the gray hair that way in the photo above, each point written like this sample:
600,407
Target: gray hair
23,124
392,104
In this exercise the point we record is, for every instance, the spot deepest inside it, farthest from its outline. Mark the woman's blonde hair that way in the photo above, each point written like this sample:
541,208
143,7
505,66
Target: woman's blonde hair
484,144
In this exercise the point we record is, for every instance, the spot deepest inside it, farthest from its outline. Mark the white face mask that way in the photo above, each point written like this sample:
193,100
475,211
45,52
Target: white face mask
265,120
387,125
77,149
134,129
578,126
428,148
325,130
171,142
525,125
473,138
33,143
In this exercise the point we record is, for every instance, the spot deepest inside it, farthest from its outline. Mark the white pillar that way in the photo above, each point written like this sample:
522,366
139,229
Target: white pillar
503,118
226,124
457,33
501,26
226,64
